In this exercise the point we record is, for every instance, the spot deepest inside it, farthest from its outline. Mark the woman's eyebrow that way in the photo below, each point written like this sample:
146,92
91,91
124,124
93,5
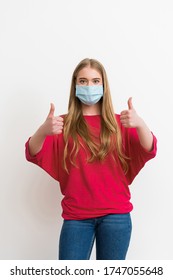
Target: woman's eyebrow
83,78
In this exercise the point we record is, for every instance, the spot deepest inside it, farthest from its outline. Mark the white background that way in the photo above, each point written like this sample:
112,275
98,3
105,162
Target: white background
41,42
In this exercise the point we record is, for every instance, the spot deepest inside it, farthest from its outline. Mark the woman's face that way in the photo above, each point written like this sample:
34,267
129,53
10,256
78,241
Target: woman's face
89,77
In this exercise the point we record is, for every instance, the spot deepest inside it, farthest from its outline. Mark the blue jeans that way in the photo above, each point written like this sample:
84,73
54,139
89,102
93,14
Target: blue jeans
111,232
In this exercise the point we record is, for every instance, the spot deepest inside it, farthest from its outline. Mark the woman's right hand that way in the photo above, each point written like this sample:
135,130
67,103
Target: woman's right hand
52,125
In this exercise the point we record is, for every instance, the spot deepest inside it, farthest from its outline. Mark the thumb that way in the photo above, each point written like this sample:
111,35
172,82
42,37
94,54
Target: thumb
130,105
52,110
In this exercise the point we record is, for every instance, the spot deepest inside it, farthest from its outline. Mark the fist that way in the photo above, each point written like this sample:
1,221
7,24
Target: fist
52,125
129,118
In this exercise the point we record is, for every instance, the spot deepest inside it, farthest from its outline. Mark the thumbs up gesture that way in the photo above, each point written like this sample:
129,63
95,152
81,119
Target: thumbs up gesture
52,125
129,118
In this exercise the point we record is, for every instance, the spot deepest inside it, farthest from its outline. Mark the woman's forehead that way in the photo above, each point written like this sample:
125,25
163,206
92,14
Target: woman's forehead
88,72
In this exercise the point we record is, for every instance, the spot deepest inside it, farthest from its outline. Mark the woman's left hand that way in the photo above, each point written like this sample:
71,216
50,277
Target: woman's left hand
129,118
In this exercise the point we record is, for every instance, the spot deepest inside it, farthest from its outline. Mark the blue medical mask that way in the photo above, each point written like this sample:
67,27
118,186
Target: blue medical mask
89,95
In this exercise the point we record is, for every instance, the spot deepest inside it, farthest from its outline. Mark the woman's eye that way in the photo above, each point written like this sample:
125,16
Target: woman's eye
96,81
82,82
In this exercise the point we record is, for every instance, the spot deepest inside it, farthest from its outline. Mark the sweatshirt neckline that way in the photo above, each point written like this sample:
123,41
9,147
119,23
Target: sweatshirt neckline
91,115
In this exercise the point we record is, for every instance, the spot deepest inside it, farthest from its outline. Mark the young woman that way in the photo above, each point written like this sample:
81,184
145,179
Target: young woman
95,155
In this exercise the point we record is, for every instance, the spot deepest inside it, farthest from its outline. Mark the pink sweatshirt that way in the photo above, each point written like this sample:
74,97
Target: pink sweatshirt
93,189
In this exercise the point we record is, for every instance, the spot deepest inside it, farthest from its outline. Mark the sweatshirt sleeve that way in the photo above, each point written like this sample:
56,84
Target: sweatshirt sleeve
138,156
47,157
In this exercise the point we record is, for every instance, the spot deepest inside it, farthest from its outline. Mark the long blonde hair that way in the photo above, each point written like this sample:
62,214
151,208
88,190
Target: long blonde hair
75,125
